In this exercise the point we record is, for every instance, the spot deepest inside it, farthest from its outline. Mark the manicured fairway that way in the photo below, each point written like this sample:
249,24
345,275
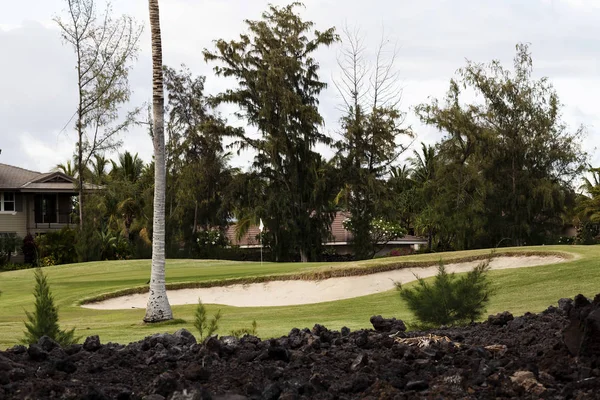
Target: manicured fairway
518,291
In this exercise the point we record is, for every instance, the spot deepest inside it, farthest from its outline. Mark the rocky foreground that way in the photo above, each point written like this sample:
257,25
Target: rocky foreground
551,355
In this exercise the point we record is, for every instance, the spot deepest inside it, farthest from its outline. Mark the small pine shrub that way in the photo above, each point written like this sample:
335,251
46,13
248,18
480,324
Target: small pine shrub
449,300
205,328
44,319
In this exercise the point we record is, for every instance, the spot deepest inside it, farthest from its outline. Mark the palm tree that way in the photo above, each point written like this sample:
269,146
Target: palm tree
158,307
99,168
589,200
129,168
423,163
67,169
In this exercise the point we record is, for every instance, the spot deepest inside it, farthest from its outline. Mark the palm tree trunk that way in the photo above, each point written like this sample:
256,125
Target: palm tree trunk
158,307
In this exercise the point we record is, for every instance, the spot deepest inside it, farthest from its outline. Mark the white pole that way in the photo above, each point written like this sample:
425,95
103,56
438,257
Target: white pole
261,257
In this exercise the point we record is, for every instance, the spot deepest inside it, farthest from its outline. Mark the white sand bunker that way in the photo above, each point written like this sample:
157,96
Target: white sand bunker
295,292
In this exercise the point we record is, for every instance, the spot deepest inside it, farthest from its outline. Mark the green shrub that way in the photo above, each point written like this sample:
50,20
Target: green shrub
44,320
449,300
205,328
59,245
14,267
9,242
245,331
587,233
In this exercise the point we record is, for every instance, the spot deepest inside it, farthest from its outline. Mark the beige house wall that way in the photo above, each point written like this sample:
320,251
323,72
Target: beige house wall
14,223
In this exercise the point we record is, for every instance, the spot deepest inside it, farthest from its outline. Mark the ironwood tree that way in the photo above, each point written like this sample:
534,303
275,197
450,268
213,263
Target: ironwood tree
506,165
277,94
198,170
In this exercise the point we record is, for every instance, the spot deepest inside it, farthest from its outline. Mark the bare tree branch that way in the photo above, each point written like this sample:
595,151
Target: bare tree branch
104,49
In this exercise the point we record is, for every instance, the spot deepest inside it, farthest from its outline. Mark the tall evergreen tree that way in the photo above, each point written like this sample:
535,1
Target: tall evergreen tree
277,93
506,163
197,164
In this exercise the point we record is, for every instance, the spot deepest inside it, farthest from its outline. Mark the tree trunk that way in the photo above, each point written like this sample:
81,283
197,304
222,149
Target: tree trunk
195,227
158,307
303,256
80,168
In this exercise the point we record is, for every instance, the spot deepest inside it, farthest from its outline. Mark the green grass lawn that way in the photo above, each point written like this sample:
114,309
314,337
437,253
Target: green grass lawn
518,291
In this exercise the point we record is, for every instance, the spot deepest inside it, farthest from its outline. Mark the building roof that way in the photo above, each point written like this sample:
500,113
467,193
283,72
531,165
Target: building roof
15,177
339,235
24,180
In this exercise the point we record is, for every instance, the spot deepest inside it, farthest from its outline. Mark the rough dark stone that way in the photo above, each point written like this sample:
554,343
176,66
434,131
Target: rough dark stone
17,374
478,362
319,330
73,349
271,392
184,337
66,366
417,385
166,383
500,319
360,361
153,396
565,305
18,349
213,344
387,324
279,353
363,339
36,353
47,344
345,331
92,343
196,372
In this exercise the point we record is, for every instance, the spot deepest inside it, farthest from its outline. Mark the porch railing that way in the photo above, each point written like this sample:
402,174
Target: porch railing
56,220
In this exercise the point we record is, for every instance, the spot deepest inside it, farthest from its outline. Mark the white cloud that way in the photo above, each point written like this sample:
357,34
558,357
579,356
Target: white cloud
434,36
44,154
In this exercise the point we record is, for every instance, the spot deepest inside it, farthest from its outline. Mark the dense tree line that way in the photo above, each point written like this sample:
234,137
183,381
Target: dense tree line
504,172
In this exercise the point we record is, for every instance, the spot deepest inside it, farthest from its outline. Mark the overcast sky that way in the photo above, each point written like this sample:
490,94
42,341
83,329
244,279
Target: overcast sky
38,79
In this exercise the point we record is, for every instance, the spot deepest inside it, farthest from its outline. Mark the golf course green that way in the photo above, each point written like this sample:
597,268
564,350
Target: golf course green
516,290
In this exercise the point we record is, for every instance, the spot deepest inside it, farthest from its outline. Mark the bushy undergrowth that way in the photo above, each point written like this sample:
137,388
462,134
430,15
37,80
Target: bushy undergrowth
9,242
449,299
44,319
58,246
